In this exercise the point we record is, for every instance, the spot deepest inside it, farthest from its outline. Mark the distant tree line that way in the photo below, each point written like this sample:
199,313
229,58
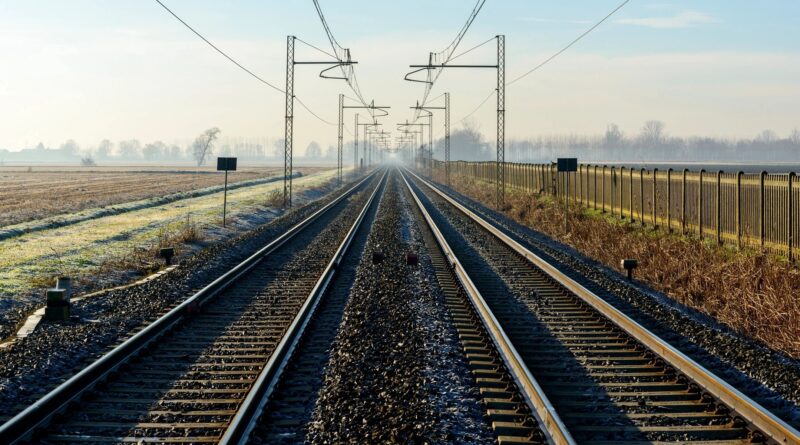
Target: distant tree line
651,143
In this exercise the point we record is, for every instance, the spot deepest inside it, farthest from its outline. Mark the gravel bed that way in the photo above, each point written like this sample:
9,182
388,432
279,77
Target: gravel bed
55,351
397,373
767,376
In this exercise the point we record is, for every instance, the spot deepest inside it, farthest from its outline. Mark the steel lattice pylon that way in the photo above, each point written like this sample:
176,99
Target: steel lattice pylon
355,147
341,136
501,120
447,138
289,133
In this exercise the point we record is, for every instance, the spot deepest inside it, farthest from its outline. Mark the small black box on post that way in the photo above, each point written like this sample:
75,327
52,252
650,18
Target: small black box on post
567,164
226,164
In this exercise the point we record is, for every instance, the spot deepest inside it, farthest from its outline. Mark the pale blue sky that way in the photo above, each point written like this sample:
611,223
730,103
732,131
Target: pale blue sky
89,69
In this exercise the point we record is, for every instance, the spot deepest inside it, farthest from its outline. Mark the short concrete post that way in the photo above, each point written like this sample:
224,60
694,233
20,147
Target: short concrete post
57,308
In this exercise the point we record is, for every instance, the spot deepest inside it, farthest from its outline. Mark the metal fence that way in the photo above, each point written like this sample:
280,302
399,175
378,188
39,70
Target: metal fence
744,209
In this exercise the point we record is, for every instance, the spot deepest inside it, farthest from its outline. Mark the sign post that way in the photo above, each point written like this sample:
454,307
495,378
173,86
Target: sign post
226,165
567,166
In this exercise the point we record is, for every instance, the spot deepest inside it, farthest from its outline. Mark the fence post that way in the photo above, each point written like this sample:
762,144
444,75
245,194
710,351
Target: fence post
641,196
719,206
761,213
790,218
630,194
739,209
669,200
594,188
654,199
621,191
683,203
700,204
603,190
611,192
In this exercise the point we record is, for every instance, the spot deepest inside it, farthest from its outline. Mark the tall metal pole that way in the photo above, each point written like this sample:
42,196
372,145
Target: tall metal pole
364,150
447,138
341,136
287,152
430,145
355,147
501,120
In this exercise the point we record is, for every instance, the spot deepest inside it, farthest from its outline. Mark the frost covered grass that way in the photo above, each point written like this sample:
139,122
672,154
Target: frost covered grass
750,291
42,192
102,251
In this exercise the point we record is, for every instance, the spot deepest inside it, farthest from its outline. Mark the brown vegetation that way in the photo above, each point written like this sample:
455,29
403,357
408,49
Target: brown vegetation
749,291
33,193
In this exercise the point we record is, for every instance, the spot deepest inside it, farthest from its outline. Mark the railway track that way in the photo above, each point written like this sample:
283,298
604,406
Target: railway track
587,372
203,372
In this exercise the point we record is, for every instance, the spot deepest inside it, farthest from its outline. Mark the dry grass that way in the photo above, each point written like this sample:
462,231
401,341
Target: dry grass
275,198
26,195
754,293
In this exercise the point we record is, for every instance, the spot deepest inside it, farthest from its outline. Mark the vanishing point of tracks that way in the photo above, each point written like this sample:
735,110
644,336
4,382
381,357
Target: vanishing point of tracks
201,373
539,342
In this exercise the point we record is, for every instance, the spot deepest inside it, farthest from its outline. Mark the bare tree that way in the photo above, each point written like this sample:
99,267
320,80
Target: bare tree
613,136
279,148
104,149
130,149
653,132
70,148
313,150
767,137
154,151
203,146
795,136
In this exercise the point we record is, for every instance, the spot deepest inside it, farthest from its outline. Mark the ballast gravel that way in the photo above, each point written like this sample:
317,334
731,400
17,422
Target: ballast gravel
55,351
770,378
397,373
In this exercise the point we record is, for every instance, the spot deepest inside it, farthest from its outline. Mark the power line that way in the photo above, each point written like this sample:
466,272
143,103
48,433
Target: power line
232,60
478,107
473,48
546,61
558,53
313,113
220,51
316,48
444,56
348,70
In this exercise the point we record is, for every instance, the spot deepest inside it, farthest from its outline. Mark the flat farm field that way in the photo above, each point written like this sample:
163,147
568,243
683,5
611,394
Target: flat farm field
31,193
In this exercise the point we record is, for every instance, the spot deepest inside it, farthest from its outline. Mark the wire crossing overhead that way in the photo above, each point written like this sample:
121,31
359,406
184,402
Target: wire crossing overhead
342,55
242,67
546,61
444,56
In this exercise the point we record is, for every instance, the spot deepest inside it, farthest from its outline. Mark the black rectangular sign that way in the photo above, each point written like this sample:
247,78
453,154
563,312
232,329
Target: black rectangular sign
226,164
567,164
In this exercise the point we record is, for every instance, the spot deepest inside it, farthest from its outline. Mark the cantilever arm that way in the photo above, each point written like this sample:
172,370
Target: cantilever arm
338,65
415,80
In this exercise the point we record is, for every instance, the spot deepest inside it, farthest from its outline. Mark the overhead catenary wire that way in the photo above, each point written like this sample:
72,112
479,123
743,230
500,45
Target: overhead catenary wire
549,59
316,48
570,44
235,62
348,71
444,56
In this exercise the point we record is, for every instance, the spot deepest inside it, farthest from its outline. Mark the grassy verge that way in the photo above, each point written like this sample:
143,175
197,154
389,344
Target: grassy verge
752,292
108,250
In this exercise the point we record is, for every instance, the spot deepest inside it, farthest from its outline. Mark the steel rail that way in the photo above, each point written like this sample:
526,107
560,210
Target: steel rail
553,427
238,432
758,416
22,426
